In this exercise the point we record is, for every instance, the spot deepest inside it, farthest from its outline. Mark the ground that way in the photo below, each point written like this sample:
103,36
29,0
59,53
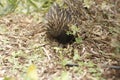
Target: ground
24,47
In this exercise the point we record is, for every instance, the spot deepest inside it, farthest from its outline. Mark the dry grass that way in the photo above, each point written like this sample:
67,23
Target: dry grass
23,42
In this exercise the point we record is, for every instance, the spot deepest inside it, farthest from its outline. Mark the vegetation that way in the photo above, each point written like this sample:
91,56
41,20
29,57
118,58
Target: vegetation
26,53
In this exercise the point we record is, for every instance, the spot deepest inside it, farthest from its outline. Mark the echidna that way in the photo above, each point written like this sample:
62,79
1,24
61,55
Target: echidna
58,20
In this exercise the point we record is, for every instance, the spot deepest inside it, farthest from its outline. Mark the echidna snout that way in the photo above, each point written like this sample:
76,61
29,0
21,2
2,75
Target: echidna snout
64,38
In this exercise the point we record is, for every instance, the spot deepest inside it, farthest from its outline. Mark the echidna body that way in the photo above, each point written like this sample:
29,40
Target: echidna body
75,8
58,20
